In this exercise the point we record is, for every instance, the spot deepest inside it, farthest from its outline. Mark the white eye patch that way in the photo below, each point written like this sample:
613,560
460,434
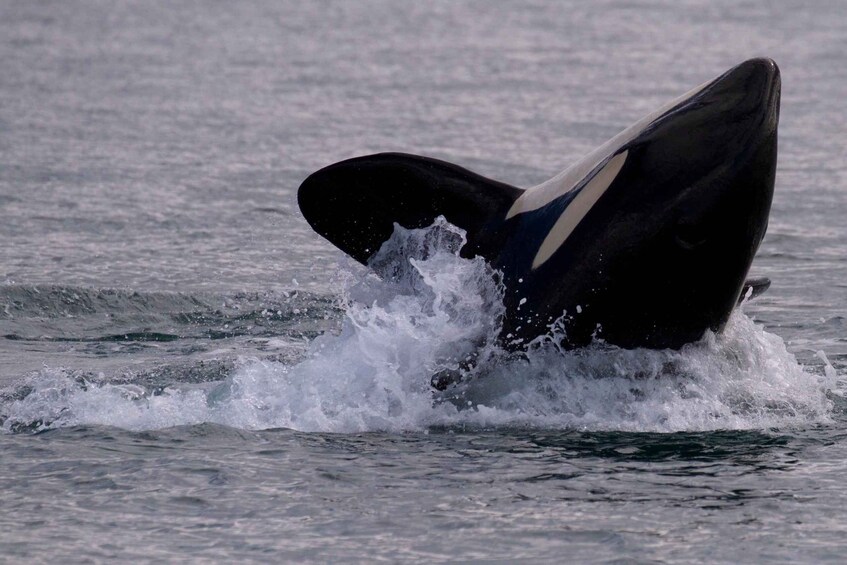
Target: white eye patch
578,208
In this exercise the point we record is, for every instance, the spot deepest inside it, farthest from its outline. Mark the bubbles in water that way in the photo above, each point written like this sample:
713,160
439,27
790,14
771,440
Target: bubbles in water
424,309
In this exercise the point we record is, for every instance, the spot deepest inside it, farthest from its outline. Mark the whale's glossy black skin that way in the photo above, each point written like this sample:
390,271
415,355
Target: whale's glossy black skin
658,259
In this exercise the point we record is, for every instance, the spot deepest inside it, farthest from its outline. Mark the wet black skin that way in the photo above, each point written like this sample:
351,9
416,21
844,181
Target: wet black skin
658,260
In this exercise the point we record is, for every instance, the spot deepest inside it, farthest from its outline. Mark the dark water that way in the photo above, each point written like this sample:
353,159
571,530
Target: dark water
163,391
207,492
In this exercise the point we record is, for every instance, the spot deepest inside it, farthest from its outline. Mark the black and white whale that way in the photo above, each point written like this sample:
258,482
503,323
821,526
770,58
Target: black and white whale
645,242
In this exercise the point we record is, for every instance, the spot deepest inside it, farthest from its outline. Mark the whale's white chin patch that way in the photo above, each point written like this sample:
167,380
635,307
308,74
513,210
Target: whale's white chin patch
578,208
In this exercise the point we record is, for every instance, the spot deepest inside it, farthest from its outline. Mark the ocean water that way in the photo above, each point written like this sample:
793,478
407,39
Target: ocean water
188,372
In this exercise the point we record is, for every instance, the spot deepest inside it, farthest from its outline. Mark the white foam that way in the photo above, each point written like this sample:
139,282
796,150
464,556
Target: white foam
428,312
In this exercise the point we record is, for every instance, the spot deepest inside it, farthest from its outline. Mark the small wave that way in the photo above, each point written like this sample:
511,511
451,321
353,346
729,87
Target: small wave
51,301
428,311
60,313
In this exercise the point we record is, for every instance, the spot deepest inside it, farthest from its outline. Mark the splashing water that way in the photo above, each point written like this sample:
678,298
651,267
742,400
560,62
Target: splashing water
424,309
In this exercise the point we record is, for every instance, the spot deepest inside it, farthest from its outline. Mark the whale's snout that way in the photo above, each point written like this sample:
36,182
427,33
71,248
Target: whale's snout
749,91
760,68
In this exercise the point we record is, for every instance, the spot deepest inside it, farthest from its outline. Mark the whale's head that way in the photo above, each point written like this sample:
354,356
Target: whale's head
652,235
645,242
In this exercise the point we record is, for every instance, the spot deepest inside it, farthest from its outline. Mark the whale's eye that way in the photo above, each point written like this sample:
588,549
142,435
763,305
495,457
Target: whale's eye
690,235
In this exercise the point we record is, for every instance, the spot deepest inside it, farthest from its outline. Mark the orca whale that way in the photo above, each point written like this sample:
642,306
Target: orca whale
645,242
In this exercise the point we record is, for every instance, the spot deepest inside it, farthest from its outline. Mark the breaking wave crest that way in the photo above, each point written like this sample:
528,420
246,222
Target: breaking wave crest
429,311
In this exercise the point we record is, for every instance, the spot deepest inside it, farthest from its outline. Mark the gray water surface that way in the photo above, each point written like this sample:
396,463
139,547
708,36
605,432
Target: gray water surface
162,395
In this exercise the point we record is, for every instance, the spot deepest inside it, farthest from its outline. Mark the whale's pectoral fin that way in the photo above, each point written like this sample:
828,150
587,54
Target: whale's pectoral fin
355,203
753,288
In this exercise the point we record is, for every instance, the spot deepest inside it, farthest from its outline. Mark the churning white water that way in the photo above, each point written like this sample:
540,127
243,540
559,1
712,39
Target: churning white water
427,311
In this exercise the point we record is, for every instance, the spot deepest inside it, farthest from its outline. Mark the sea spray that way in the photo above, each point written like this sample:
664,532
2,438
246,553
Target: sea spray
423,309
